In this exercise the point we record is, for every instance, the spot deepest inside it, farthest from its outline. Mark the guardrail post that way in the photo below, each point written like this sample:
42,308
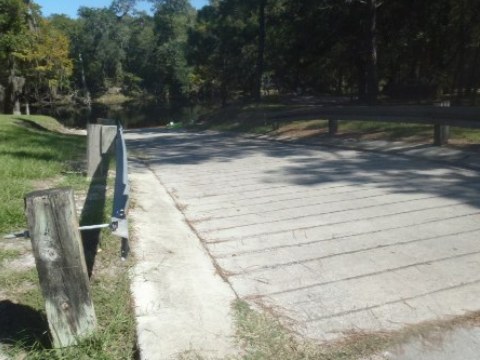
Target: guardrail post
60,261
100,141
332,127
440,134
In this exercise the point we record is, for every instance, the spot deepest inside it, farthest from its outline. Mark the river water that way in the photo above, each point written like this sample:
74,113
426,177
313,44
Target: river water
131,115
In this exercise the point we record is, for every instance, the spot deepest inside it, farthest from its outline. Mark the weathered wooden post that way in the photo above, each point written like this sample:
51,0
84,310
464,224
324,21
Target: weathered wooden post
94,157
440,134
62,271
100,139
332,127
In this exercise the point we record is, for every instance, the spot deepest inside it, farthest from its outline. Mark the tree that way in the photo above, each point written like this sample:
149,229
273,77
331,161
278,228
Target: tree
47,64
101,44
122,7
261,49
14,44
172,19
372,75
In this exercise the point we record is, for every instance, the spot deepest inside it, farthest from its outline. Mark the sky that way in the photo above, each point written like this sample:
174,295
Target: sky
70,7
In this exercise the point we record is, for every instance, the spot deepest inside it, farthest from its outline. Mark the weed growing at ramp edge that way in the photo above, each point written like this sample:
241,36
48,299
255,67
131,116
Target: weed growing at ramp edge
263,337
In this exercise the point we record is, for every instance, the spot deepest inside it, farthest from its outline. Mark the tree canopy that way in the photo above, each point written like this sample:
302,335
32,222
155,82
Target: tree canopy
367,49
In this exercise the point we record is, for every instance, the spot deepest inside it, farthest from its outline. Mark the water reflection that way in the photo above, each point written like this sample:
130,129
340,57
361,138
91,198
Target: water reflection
132,114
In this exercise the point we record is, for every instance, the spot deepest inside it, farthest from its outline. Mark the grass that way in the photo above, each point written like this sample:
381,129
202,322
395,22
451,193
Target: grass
408,132
388,130
27,155
31,155
9,254
263,337
115,336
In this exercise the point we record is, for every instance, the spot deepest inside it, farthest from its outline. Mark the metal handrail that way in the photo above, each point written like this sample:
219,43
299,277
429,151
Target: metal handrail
121,193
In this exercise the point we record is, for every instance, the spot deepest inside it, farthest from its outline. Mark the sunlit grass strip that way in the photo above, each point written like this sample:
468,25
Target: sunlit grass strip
28,155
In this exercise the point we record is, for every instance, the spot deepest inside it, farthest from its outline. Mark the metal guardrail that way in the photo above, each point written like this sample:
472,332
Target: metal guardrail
121,193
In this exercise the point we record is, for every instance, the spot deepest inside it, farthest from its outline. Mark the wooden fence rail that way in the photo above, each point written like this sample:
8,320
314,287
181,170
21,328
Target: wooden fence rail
441,117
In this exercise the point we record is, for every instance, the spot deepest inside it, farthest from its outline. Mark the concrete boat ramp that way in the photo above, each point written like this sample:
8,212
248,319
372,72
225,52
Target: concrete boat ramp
334,241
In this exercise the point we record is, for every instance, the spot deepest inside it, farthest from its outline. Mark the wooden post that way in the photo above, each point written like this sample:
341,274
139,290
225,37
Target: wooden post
62,271
100,141
94,156
332,127
440,134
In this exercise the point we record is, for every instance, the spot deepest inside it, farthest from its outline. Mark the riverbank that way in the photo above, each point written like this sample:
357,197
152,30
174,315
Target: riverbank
36,152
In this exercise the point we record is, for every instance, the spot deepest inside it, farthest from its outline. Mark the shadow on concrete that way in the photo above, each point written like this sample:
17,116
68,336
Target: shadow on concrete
310,165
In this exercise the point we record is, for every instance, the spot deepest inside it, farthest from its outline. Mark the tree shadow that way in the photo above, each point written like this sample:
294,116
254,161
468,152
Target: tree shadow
310,165
29,124
21,324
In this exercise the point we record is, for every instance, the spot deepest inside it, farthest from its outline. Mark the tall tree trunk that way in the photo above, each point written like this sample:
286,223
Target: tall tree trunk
459,84
473,81
88,98
372,76
223,83
261,50
361,79
13,90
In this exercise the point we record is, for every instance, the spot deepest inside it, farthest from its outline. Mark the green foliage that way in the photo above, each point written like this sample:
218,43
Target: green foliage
172,20
426,49
13,27
33,49
47,62
101,42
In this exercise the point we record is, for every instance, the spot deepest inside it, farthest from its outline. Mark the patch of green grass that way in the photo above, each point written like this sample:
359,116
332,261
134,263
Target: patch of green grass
12,280
466,135
27,155
22,286
75,181
9,254
40,122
